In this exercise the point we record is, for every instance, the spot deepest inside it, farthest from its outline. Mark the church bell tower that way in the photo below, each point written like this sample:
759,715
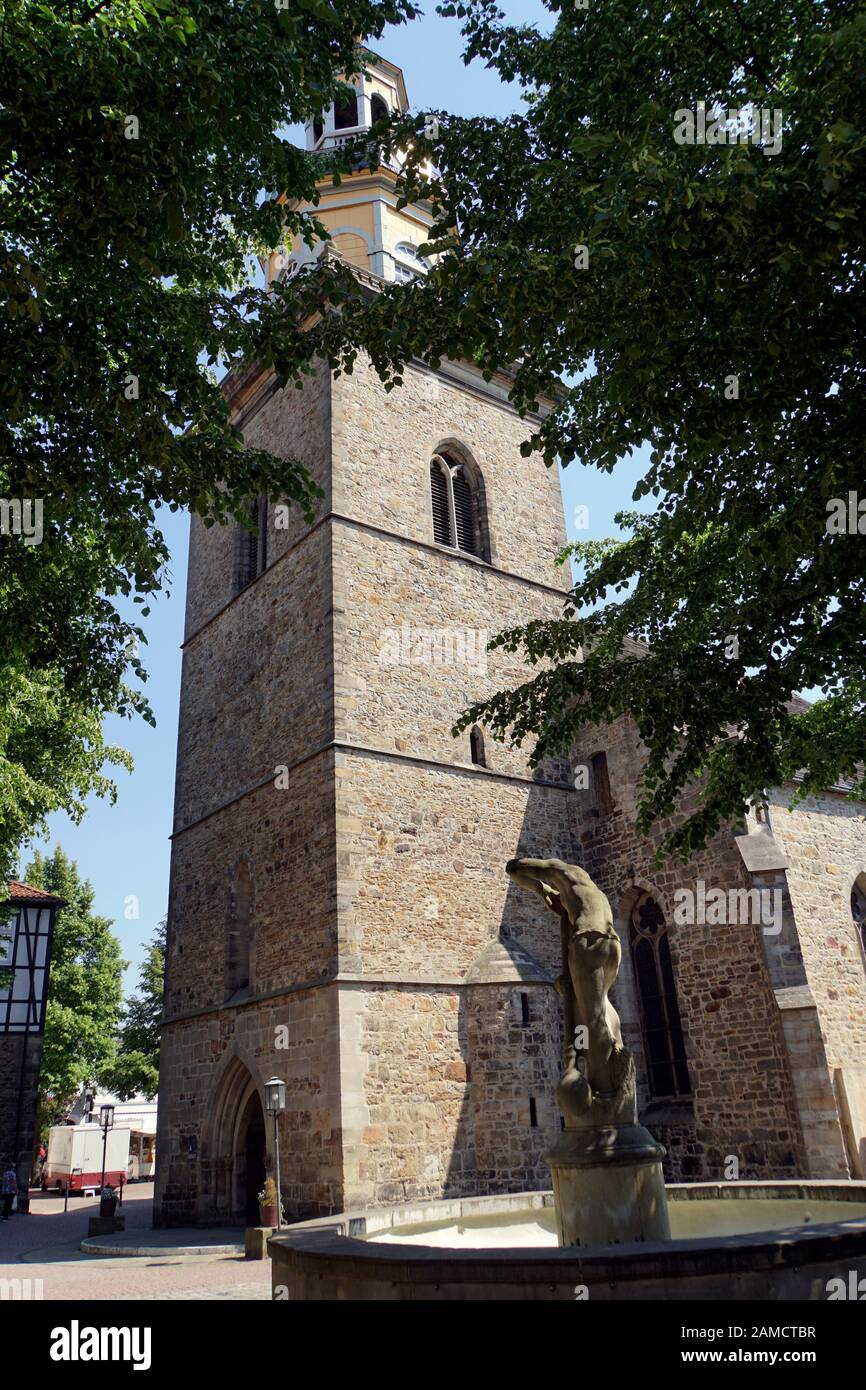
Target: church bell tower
340,916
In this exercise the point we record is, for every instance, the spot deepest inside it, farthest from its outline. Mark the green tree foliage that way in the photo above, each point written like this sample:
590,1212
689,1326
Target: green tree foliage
135,1068
85,986
52,752
707,299
141,167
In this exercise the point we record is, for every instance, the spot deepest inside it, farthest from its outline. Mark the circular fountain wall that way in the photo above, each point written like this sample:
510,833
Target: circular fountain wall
755,1240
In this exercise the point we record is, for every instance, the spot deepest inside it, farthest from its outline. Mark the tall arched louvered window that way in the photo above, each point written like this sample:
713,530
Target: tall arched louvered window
664,1046
454,499
464,512
251,546
441,503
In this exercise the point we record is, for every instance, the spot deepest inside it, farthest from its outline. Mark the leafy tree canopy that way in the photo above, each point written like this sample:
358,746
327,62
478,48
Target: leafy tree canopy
142,161
705,298
135,1068
84,989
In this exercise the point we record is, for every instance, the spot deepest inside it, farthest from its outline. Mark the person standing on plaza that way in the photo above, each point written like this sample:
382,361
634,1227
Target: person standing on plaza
9,1192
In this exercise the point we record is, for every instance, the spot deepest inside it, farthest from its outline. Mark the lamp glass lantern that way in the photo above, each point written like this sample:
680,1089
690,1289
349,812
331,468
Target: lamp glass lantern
275,1095
106,1117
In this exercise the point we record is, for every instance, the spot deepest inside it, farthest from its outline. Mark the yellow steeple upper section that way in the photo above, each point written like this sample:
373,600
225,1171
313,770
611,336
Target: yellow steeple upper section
366,227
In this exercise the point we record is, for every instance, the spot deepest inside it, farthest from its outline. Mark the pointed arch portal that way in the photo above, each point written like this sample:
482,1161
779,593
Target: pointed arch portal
238,1158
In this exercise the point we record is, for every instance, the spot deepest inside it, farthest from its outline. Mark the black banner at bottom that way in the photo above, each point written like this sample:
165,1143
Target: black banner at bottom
223,1338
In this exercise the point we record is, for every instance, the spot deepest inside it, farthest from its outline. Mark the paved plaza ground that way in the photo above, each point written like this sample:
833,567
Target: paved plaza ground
46,1246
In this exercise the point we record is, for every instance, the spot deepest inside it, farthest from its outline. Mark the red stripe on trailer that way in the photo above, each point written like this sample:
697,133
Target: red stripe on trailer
77,1181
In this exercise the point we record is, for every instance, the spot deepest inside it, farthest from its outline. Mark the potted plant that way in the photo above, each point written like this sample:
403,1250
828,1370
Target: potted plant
268,1203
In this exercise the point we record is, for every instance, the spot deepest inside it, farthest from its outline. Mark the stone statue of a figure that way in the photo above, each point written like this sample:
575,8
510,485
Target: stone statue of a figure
598,1081
607,1175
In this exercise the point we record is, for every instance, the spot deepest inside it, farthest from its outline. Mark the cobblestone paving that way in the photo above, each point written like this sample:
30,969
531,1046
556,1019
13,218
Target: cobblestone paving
44,1246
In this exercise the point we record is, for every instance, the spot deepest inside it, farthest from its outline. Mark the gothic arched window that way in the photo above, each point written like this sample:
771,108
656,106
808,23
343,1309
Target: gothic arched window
251,545
664,1047
601,784
346,112
454,500
476,746
239,930
858,907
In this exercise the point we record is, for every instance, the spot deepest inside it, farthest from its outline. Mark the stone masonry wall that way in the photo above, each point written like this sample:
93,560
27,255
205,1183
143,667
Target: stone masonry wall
410,634
415,1141
20,1058
383,444
824,840
287,839
294,1036
257,687
442,1075
289,423
443,1071
514,1068
446,1085
422,866
10,1067
744,1105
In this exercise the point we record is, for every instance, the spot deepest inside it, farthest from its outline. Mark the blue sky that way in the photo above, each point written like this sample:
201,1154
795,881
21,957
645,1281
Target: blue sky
124,849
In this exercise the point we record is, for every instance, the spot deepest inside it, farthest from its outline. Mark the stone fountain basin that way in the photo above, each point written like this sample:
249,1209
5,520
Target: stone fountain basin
732,1240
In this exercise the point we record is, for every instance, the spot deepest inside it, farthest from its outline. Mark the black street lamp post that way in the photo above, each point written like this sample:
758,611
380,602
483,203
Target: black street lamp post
275,1102
106,1122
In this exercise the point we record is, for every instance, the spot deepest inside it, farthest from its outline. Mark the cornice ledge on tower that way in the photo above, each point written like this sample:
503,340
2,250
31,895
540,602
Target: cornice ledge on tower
246,386
381,979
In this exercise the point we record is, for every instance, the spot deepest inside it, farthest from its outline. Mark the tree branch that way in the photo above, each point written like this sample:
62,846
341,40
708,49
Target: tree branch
759,69
711,39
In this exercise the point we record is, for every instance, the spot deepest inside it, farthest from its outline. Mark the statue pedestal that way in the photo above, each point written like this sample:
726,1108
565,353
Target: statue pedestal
608,1186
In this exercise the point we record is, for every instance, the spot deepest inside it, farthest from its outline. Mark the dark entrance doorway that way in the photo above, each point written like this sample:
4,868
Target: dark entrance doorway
252,1148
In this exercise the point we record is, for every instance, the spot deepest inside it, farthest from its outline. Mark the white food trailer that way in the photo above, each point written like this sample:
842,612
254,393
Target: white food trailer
74,1160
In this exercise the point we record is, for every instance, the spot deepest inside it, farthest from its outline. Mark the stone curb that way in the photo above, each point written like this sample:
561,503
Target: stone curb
97,1245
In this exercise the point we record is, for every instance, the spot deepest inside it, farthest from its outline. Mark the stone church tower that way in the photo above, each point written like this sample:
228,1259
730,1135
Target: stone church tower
339,913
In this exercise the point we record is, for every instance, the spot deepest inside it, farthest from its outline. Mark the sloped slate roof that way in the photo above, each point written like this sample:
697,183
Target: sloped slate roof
502,961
